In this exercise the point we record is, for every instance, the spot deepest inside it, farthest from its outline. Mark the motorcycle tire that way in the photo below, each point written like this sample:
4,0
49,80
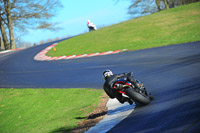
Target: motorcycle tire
137,97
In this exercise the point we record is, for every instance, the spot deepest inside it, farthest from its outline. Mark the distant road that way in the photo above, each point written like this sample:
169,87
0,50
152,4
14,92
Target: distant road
171,74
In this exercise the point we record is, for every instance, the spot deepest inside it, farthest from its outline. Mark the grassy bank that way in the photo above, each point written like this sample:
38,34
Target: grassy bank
44,110
177,25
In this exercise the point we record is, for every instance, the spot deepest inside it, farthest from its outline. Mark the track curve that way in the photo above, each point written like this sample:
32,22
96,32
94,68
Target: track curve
170,73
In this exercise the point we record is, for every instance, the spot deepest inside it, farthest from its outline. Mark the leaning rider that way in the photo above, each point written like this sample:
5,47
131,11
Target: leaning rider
111,78
91,26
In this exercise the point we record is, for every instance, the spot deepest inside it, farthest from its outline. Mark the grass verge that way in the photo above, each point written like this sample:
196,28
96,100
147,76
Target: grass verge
173,26
45,110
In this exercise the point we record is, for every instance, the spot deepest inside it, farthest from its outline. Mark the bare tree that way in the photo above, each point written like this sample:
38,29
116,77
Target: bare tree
174,3
35,13
1,44
166,4
4,35
42,42
23,14
148,6
2,26
7,7
158,5
142,7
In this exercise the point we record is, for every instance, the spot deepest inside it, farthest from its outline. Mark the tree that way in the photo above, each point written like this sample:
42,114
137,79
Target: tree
2,26
23,14
142,7
150,6
158,4
174,3
4,35
166,4
35,13
7,7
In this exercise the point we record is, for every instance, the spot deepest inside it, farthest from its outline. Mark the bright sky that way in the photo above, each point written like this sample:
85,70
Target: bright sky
73,18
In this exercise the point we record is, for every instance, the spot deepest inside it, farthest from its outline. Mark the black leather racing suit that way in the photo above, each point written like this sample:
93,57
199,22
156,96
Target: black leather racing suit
111,92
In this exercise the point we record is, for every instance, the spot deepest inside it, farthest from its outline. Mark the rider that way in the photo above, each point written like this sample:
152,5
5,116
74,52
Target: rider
91,26
111,78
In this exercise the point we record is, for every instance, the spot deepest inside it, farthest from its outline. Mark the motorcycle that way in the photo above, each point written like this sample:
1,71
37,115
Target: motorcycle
139,95
91,28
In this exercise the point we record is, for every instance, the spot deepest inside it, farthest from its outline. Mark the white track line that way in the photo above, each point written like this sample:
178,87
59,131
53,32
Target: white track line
116,113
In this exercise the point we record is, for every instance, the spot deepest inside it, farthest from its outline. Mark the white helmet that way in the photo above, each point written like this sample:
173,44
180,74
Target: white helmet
107,73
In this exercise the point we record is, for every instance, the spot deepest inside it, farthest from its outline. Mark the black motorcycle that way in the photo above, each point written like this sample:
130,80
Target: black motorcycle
91,28
139,95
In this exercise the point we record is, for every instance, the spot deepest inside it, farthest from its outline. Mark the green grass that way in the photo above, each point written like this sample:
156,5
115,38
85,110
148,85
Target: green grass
44,110
174,26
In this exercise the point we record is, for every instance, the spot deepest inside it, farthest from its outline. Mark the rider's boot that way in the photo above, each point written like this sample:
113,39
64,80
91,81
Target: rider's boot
126,99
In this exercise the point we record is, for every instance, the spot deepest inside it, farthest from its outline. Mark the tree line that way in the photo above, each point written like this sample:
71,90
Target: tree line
20,15
151,6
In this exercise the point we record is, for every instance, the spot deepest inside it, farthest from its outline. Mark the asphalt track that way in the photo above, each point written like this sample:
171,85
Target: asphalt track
171,74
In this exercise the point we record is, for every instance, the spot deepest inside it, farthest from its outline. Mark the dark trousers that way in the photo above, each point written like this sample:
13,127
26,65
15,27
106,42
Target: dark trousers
121,98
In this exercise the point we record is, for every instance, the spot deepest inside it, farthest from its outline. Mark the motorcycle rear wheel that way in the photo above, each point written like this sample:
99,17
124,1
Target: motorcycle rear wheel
138,97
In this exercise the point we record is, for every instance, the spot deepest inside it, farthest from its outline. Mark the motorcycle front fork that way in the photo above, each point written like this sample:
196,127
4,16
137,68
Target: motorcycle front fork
142,89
